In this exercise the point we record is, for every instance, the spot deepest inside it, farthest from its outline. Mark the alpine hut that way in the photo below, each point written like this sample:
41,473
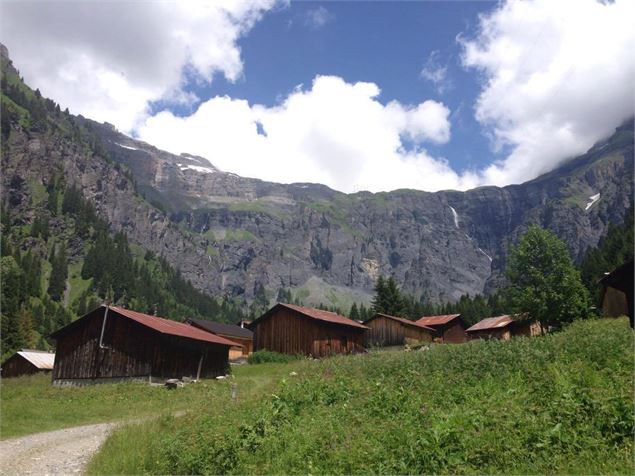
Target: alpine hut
385,330
503,328
291,329
240,335
450,327
112,344
617,292
26,362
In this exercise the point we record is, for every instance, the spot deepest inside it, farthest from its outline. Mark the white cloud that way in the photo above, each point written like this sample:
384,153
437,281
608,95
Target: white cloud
558,76
335,133
108,60
318,18
436,72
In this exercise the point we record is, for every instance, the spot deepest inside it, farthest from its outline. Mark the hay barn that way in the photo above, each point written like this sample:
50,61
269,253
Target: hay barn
450,327
617,292
503,328
235,333
385,330
27,362
291,329
114,344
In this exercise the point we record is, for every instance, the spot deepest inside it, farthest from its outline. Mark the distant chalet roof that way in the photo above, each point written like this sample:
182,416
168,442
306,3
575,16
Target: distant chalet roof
491,323
437,320
222,328
39,358
317,314
161,325
407,322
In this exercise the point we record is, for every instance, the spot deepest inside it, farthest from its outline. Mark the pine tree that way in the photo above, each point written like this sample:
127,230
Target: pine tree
354,312
59,273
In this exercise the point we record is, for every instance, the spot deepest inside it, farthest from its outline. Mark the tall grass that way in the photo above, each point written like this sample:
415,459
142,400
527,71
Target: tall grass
561,403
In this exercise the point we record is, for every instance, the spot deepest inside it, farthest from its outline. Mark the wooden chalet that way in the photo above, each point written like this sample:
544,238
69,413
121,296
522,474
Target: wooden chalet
235,333
503,328
617,292
450,327
27,362
112,344
385,330
291,329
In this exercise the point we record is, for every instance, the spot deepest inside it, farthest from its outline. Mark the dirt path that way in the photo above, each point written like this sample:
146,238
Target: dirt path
54,452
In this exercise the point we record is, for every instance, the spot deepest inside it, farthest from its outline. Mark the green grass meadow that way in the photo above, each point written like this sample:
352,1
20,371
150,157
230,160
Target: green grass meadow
31,404
558,404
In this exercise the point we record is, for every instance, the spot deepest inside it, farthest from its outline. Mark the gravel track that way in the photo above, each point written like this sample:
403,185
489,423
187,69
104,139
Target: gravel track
54,452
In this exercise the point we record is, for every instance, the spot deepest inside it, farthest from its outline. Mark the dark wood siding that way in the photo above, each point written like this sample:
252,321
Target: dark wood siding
454,332
385,332
289,332
17,365
133,351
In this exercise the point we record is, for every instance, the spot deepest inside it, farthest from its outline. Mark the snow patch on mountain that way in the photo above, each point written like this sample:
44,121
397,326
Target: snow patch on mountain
593,198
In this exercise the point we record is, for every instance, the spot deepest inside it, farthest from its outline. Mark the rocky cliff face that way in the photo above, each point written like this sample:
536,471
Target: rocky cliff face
230,235
333,245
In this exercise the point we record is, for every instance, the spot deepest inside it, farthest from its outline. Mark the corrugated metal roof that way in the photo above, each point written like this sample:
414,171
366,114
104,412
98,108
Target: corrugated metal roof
437,320
403,321
318,314
491,323
166,326
39,358
223,328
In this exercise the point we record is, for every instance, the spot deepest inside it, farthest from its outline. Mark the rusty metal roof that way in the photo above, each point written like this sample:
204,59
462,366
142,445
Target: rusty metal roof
166,326
403,321
318,314
491,323
437,320
39,358
222,328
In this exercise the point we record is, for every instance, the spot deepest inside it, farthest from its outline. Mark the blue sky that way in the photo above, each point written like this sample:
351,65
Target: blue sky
355,95
381,42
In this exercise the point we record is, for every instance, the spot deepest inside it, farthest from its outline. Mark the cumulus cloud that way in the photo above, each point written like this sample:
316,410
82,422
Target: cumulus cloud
558,76
108,60
336,133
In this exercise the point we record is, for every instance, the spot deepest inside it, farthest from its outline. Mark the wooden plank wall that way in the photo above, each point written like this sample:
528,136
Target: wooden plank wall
454,333
17,365
288,332
133,351
386,332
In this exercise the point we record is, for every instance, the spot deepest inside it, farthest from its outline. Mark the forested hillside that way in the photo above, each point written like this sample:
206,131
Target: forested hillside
59,257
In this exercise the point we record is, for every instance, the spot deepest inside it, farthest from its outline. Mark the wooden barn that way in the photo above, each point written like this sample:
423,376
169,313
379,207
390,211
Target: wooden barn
450,327
26,362
291,329
503,328
385,330
617,292
113,344
235,333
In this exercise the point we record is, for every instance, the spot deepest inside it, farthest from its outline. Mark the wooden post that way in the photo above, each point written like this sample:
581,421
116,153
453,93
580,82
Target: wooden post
200,364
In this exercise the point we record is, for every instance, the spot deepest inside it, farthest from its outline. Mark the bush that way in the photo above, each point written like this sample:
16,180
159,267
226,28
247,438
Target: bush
268,356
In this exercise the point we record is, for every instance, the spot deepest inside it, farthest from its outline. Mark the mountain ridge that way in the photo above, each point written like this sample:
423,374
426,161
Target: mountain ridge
241,237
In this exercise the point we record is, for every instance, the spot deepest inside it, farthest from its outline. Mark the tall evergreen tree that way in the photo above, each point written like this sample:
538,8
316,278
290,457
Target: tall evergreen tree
59,273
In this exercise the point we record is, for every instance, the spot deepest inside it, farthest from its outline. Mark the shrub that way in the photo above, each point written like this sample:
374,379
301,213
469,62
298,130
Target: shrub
268,356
